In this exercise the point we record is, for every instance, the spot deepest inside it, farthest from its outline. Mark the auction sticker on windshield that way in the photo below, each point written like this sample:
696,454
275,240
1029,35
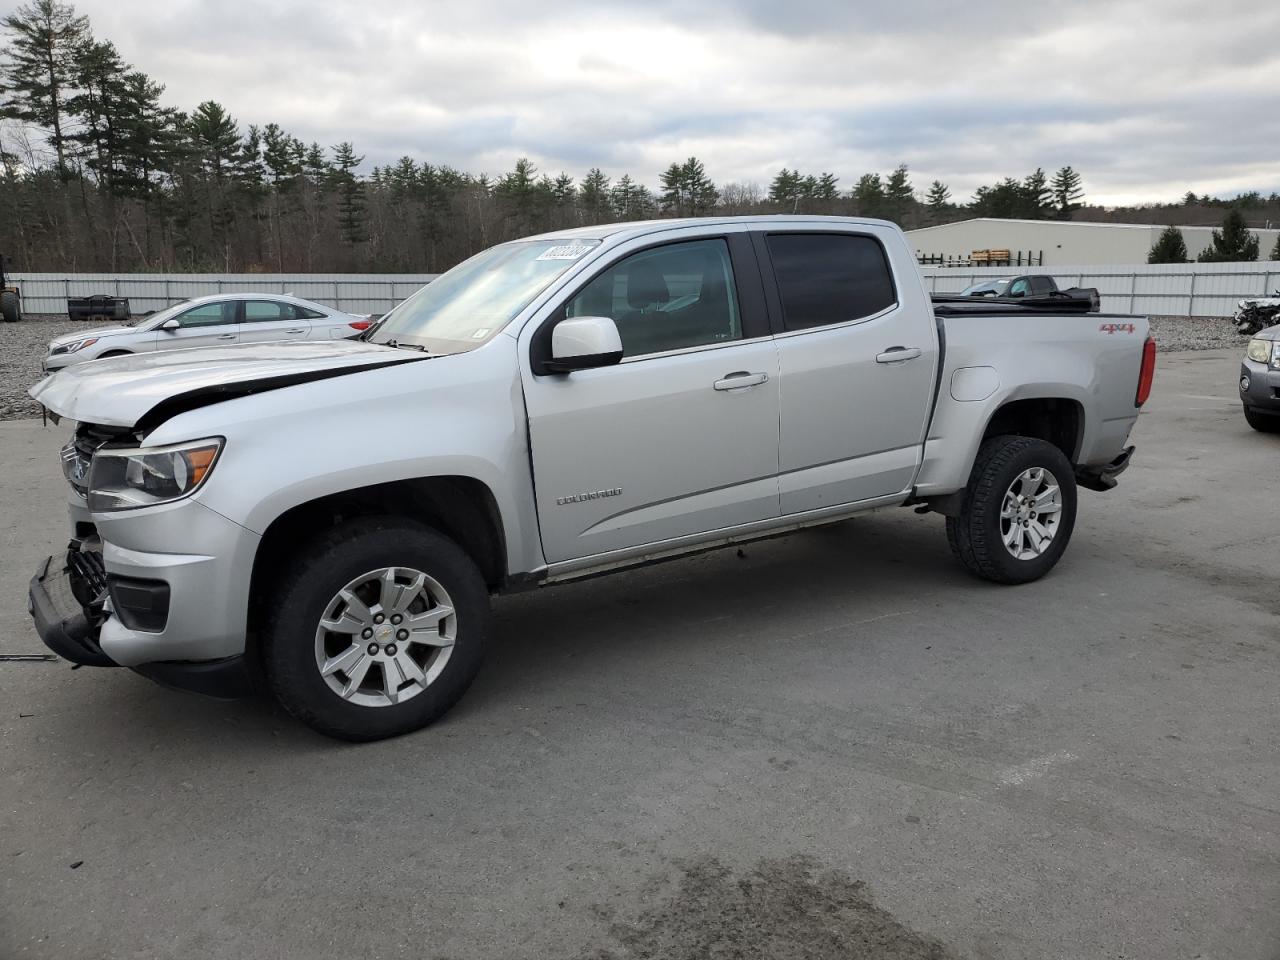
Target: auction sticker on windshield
566,251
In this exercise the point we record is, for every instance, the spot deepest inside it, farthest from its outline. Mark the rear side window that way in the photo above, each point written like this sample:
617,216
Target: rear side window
260,310
827,278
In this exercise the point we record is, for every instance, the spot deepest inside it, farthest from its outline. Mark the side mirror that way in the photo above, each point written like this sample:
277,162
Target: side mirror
580,343
170,325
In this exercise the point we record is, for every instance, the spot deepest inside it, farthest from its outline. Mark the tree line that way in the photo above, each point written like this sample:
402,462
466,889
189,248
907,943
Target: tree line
1233,243
98,173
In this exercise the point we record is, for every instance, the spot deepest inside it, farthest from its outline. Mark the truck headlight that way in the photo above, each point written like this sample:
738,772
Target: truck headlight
1262,351
131,478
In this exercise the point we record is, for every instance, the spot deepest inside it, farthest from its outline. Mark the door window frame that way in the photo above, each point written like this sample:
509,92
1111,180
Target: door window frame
752,309
773,298
242,315
236,313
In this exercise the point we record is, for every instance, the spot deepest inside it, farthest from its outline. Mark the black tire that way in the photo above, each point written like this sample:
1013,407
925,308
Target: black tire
975,535
1262,422
323,567
10,307
115,353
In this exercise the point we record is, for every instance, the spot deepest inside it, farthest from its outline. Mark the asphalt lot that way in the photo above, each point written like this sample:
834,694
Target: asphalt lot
1082,767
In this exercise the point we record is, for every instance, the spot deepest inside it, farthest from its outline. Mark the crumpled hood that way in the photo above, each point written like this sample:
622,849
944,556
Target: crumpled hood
86,334
144,389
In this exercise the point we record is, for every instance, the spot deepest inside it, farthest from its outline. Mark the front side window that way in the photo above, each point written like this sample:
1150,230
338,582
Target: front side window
828,278
1019,288
667,298
208,315
256,311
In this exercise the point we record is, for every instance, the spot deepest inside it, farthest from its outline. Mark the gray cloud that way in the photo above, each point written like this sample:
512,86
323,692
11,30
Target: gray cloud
1146,99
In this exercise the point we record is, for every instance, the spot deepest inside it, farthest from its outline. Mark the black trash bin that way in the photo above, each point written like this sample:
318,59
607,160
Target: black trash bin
98,307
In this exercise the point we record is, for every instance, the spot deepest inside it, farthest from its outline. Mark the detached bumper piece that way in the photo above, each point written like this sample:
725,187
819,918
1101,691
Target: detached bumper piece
1104,478
66,602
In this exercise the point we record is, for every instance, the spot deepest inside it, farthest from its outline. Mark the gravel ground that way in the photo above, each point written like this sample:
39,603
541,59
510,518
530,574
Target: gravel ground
23,345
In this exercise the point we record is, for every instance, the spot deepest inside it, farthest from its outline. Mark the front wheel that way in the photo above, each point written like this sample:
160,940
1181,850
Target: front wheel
377,629
1018,510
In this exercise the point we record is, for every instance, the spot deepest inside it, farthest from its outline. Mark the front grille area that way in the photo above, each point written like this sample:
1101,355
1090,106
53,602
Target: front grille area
77,456
88,576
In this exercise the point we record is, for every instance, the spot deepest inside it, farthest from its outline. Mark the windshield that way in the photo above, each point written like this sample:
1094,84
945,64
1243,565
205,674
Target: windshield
988,288
464,308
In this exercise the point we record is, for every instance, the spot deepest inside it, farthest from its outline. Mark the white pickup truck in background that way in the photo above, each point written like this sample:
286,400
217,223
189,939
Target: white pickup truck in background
329,519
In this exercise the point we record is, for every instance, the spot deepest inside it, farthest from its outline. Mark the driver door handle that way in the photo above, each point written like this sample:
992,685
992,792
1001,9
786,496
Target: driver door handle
226,336
740,380
898,354
297,330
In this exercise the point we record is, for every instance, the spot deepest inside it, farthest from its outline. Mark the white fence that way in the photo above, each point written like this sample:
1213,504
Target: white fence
147,292
1182,289
1192,289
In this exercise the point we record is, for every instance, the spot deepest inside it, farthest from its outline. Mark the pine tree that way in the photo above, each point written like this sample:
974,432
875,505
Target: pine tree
40,67
868,195
1068,191
1234,243
686,189
1038,198
897,188
351,205
216,138
937,199
594,197
1169,247
828,190
101,107
784,190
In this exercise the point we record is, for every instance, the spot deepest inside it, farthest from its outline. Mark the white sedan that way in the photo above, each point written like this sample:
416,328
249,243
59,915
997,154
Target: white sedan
210,321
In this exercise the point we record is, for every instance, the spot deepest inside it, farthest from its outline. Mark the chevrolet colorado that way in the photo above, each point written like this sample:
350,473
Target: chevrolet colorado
329,519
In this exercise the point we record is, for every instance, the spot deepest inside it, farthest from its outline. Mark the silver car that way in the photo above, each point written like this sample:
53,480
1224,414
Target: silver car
209,321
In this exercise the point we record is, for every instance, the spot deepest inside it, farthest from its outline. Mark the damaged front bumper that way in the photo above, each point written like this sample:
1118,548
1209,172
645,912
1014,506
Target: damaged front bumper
67,601
70,603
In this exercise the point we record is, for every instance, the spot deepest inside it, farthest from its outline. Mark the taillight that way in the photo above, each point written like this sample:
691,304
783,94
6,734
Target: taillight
360,324
1148,372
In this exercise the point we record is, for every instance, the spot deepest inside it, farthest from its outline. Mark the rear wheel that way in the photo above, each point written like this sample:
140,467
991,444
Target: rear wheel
377,629
1262,422
1018,510
10,306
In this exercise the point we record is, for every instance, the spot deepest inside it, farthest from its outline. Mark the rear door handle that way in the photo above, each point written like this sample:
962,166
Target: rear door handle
226,336
740,380
297,330
898,354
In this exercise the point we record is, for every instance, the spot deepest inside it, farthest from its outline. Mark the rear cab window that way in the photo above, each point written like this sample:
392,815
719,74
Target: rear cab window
825,279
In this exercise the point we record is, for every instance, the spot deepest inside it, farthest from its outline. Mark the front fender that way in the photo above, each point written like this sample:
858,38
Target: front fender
451,416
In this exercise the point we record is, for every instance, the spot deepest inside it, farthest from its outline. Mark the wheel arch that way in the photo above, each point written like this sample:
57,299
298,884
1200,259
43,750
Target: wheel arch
460,507
1058,420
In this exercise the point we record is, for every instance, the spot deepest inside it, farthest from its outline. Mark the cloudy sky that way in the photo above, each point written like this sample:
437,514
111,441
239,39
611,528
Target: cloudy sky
1146,99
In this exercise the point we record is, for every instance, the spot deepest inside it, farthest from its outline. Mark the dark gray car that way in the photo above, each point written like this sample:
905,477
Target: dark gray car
1260,381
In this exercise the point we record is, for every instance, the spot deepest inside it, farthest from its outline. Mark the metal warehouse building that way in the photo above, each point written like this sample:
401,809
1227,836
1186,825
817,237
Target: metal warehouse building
1059,241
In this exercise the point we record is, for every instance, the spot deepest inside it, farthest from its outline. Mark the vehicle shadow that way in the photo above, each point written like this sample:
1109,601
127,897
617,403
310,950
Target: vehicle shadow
547,637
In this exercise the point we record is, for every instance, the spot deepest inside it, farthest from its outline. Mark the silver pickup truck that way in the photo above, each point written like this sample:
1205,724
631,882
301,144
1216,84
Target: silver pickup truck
328,520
